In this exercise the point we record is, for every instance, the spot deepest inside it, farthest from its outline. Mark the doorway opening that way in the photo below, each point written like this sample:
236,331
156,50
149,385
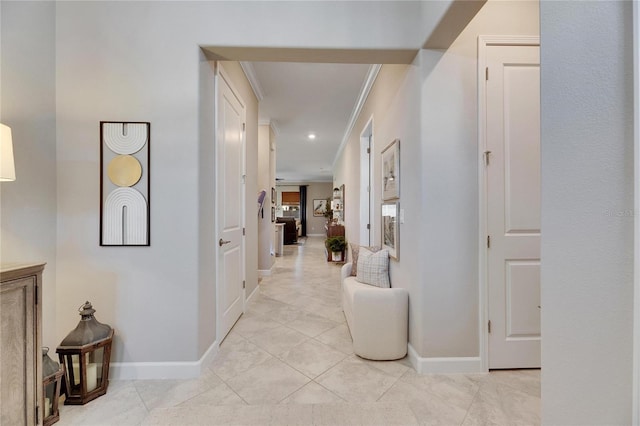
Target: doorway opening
366,148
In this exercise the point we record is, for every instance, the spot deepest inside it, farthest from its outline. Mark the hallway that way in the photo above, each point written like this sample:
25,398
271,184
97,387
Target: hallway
288,360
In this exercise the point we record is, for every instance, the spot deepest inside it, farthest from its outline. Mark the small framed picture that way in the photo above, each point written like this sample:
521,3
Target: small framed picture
273,195
391,171
273,214
390,229
319,207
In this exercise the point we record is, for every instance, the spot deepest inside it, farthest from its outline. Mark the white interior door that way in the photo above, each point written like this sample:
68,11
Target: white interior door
230,204
513,205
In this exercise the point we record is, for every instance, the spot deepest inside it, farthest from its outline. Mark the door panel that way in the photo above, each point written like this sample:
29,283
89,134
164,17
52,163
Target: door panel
523,299
522,147
513,205
230,205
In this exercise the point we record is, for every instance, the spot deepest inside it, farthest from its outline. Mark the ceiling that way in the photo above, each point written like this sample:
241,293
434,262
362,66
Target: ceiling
303,98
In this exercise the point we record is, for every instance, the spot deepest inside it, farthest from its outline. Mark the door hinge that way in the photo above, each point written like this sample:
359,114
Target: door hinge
244,284
489,326
244,127
244,179
244,231
486,157
488,241
486,73
368,150
368,226
37,414
37,295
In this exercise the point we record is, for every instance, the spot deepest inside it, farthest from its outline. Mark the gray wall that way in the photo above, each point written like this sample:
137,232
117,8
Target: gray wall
317,191
28,205
587,205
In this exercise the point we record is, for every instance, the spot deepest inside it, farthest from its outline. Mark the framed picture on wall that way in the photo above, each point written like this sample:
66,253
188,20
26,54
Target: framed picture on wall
391,171
273,214
343,204
319,207
390,229
273,195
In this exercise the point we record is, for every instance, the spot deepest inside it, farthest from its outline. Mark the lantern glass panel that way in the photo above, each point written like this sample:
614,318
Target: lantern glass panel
49,392
93,363
73,369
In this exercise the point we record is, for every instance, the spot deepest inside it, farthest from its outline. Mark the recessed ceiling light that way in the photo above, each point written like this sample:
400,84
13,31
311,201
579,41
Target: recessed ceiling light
311,136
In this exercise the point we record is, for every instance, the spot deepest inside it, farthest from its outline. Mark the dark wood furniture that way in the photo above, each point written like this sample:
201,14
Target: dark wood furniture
334,231
290,229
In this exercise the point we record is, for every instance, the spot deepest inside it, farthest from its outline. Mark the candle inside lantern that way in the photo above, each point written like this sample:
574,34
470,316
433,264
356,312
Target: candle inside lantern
76,374
47,407
92,377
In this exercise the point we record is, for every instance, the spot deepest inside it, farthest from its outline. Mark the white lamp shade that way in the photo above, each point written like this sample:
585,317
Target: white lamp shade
7,168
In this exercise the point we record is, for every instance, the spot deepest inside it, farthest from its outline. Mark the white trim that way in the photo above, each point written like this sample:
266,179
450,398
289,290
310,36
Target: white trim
253,293
453,365
250,73
357,109
265,272
635,405
316,235
483,293
270,123
163,370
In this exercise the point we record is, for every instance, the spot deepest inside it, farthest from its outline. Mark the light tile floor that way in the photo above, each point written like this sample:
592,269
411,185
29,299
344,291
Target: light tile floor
289,361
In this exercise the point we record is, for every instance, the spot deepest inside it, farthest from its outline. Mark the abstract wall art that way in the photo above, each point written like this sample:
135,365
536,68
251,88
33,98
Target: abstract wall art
124,183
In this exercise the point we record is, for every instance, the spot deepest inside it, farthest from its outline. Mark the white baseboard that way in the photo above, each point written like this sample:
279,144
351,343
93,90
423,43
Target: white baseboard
316,235
452,365
264,272
163,370
253,293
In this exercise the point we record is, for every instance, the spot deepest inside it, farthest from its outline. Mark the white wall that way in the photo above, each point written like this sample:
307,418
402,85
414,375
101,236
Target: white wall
394,103
141,61
450,176
431,106
587,212
28,205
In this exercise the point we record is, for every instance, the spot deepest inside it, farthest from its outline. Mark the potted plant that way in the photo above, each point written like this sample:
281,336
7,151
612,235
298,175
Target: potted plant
336,245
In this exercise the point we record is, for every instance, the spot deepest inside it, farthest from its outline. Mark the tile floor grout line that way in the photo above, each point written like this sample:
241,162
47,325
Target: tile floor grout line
326,388
475,396
392,385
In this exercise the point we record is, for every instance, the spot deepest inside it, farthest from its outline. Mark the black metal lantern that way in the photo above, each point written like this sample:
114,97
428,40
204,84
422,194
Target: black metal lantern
52,374
85,355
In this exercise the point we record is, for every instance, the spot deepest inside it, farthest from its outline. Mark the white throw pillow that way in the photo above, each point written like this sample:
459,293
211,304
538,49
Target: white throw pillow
373,268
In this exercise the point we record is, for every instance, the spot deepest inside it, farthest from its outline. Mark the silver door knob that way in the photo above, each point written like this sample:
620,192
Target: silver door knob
223,242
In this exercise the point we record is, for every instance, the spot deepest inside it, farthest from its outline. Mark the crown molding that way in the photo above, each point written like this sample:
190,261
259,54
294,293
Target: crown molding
271,124
357,109
250,72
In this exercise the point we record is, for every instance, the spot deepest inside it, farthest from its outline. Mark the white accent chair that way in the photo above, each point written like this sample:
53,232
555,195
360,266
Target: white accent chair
377,318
